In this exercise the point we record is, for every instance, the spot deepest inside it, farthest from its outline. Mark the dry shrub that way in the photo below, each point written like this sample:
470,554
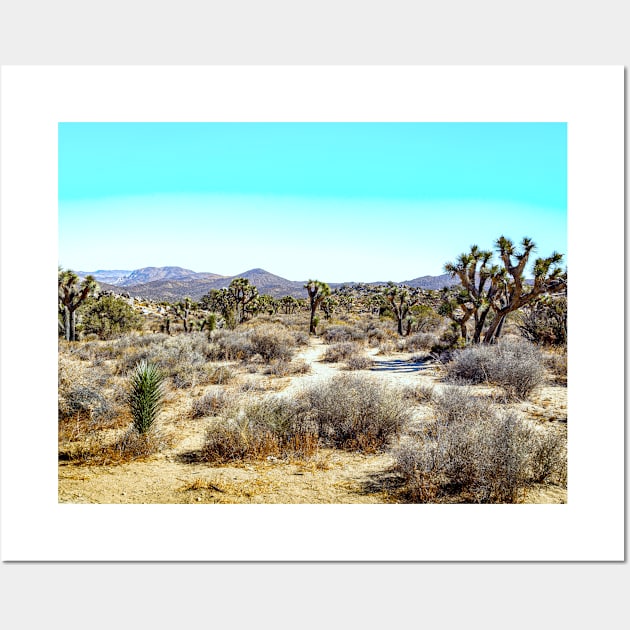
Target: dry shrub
268,341
91,448
220,375
477,454
340,333
85,402
288,368
83,394
514,365
211,404
300,337
356,412
420,392
340,351
557,363
272,343
459,404
378,332
359,362
274,426
421,342
230,345
387,347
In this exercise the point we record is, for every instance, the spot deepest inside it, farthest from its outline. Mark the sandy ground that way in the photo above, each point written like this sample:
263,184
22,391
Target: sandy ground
331,476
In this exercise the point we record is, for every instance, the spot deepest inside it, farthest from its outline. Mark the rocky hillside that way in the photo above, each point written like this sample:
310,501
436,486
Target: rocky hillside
174,283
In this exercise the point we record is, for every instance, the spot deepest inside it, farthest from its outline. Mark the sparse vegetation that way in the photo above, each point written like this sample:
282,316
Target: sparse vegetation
356,412
272,427
237,378
340,351
514,365
473,452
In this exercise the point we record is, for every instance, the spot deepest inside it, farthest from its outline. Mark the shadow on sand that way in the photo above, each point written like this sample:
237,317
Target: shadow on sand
398,365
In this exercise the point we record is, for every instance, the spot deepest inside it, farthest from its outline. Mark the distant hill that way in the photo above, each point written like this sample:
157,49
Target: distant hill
111,276
433,282
175,283
198,285
155,274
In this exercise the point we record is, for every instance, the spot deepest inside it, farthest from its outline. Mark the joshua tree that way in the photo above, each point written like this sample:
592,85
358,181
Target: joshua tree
182,310
549,278
289,304
71,296
458,308
220,301
502,289
328,305
317,291
399,301
243,293
263,304
481,283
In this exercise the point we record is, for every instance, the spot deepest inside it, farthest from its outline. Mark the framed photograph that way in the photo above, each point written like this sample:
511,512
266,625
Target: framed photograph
313,313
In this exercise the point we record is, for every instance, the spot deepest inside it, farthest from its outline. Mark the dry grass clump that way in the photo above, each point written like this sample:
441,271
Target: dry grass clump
274,426
557,363
349,412
92,449
460,404
359,362
268,341
387,347
340,333
300,337
210,404
221,375
378,332
288,368
229,345
356,412
181,357
272,343
422,342
340,351
514,365
420,393
82,393
474,453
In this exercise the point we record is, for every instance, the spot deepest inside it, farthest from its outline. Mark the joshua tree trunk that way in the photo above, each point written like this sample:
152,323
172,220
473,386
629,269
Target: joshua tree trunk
311,328
493,330
67,326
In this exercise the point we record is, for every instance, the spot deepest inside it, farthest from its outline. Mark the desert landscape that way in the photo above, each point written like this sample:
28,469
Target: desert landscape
359,394
369,320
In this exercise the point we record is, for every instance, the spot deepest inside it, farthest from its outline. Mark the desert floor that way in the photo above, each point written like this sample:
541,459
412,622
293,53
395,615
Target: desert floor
331,476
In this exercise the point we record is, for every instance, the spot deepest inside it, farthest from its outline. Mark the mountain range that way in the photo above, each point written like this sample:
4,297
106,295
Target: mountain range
175,283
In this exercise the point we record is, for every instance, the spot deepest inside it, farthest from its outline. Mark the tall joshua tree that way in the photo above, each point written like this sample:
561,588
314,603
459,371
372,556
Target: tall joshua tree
549,278
71,295
317,291
502,289
482,283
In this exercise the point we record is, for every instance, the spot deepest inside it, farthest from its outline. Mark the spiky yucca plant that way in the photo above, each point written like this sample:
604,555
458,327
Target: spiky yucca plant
146,395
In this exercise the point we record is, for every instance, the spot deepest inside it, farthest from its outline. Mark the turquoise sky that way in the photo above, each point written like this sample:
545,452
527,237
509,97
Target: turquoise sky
336,201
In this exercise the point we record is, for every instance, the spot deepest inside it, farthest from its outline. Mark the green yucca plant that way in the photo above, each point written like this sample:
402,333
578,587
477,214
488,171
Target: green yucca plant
146,395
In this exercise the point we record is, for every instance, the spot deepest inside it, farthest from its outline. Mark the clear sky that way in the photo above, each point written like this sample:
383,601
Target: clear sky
332,201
